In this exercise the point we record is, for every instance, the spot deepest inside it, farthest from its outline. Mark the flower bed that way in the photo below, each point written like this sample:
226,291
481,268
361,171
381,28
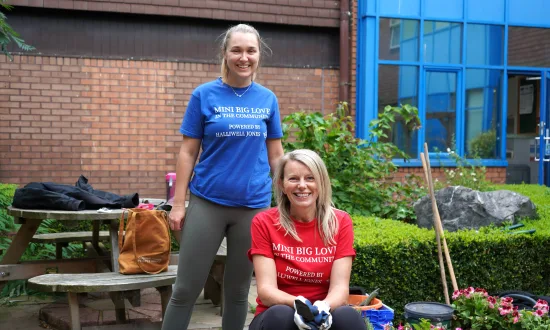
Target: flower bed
476,309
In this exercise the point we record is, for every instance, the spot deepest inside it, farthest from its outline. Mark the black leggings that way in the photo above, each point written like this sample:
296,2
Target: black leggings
281,317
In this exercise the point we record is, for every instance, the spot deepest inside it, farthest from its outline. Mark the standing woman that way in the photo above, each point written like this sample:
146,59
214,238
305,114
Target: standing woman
236,122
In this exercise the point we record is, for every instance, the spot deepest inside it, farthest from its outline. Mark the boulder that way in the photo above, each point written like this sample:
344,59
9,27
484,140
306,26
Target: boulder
464,208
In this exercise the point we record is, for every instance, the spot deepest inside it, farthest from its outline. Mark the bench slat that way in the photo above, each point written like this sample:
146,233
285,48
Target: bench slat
101,282
66,237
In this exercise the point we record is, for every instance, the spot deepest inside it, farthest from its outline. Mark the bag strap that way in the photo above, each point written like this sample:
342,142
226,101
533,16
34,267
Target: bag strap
135,249
121,228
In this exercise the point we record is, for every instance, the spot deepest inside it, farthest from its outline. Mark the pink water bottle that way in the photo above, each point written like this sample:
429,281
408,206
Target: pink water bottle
170,187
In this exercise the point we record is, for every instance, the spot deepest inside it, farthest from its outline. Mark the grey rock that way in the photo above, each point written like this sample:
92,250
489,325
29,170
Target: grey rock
464,208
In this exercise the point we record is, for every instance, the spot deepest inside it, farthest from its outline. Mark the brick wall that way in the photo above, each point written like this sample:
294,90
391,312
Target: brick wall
296,12
528,46
116,121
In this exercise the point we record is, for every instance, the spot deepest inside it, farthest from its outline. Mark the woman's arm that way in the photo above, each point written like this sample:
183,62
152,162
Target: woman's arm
339,283
187,157
274,152
266,283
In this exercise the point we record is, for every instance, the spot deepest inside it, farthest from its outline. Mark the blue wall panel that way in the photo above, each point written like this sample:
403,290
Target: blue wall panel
486,10
447,9
368,6
399,7
529,12
369,77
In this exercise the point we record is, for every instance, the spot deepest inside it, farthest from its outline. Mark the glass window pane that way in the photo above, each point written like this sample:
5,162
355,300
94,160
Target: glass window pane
485,44
428,27
398,39
528,46
440,110
398,85
482,113
442,43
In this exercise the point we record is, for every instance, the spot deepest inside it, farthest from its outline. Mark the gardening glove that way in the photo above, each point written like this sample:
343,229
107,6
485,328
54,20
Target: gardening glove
299,302
324,308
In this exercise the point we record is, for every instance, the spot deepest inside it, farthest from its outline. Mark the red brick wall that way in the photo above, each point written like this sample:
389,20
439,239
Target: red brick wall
116,121
296,12
528,46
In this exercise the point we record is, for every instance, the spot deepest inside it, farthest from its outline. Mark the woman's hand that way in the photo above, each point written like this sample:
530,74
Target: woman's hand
176,217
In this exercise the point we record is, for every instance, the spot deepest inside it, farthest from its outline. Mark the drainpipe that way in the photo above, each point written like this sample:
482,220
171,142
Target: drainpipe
344,51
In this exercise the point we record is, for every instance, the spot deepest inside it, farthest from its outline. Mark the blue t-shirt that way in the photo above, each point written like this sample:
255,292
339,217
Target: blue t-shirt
233,168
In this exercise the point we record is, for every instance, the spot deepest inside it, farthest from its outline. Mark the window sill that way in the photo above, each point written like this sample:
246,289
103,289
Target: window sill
450,163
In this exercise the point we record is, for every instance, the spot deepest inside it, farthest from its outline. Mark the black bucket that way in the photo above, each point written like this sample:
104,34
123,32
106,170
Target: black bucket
436,313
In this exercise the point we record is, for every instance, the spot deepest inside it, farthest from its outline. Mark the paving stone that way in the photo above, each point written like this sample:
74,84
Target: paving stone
97,312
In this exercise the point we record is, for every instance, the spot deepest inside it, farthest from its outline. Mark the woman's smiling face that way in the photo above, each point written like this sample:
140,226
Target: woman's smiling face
242,56
300,187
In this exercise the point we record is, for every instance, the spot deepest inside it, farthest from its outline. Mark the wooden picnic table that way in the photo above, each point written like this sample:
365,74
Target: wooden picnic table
30,220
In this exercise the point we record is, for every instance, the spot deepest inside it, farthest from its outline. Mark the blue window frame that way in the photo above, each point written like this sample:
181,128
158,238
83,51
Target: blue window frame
476,34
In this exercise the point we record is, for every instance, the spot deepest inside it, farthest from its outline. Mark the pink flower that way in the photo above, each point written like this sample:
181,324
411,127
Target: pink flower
400,327
541,305
456,294
482,291
492,301
539,312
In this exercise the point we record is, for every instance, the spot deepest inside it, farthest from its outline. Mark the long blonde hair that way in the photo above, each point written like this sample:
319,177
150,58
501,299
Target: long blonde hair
242,28
324,213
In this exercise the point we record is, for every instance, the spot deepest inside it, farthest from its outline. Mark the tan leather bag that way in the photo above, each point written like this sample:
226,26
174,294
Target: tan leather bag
145,246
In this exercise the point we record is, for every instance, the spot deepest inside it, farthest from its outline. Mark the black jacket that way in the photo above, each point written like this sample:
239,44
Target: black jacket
54,196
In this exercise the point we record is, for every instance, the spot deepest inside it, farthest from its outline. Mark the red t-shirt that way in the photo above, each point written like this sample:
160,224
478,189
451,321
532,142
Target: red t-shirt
303,268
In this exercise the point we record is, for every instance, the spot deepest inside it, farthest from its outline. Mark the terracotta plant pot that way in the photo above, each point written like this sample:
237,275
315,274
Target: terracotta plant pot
354,300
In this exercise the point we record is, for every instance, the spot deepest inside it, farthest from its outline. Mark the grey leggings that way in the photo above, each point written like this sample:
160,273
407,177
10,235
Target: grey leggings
205,225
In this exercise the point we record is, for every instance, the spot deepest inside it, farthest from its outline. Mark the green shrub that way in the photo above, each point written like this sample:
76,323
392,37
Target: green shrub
401,259
361,171
6,221
467,173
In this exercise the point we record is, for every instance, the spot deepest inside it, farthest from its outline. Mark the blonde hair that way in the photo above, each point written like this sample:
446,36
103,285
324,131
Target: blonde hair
324,213
242,28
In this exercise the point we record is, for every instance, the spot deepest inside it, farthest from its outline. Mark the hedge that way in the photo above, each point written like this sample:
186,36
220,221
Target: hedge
401,259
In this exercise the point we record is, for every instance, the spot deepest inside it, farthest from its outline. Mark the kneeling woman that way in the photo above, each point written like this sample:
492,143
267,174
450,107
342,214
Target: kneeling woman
302,252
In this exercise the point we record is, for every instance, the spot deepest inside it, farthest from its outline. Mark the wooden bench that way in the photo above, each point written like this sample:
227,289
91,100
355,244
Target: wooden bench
62,240
119,287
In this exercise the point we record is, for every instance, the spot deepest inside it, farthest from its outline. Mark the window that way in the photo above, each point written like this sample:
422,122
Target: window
395,38
482,115
399,39
398,85
442,42
441,110
485,44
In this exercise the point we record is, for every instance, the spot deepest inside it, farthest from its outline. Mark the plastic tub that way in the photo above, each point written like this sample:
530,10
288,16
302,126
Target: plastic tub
436,313
356,299
379,318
